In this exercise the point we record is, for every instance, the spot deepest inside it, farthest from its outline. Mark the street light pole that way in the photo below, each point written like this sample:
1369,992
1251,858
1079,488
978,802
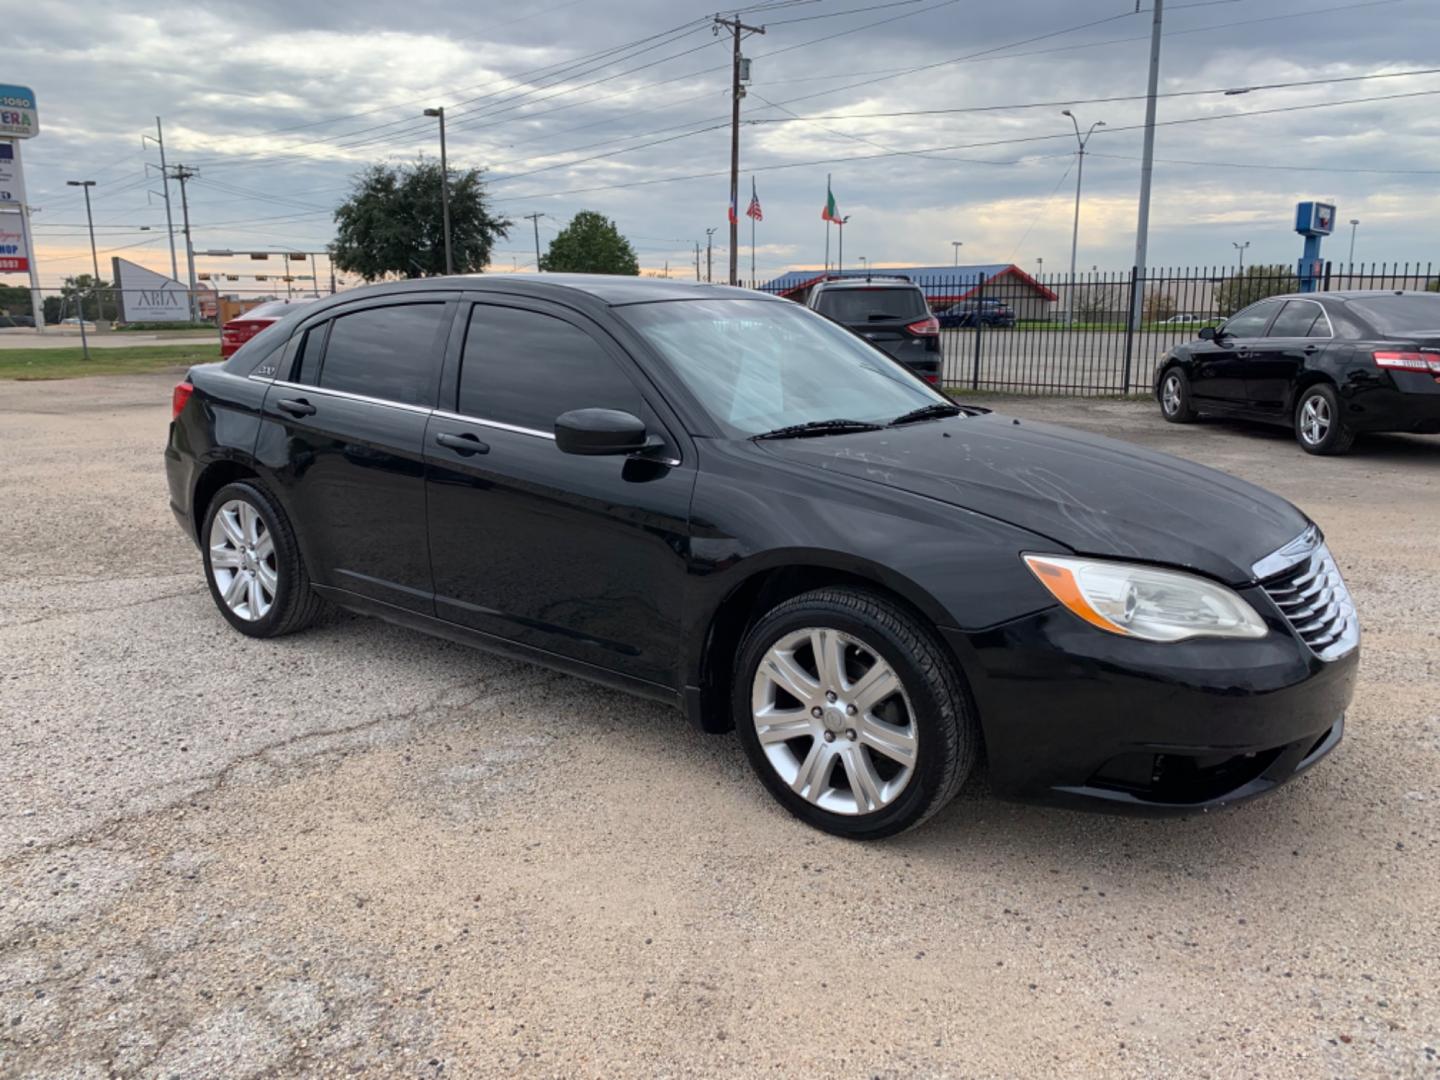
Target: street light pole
1241,249
841,224
439,114
86,185
1075,229
1354,224
957,245
709,252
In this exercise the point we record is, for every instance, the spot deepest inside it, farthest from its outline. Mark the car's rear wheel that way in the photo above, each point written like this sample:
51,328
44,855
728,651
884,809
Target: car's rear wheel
1175,403
1319,427
852,713
253,565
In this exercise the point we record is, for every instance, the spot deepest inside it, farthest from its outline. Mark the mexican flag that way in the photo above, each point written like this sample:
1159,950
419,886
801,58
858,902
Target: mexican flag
829,213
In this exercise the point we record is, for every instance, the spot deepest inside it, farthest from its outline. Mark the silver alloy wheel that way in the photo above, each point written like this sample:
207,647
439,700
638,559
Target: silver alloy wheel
834,721
1315,419
1170,394
242,560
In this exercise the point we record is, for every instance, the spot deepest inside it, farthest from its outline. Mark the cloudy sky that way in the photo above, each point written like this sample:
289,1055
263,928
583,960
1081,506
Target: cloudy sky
622,106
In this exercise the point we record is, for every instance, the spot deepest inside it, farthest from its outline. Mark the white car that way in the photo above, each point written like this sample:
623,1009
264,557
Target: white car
1181,320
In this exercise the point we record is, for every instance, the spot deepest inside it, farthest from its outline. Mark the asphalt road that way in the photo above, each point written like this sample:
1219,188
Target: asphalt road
363,851
69,338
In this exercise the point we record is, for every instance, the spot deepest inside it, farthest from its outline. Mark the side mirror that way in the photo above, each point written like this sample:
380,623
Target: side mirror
1207,333
600,431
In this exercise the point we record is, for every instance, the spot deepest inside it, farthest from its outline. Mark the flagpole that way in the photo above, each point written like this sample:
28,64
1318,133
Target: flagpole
827,223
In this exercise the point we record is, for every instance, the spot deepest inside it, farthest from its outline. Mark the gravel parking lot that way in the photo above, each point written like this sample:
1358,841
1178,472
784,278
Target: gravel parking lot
363,851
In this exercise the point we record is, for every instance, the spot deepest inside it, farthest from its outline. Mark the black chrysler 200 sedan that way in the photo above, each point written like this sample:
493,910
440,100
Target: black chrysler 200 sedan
1330,365
724,501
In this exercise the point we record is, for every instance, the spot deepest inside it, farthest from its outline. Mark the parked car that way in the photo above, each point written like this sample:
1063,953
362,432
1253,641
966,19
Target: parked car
889,312
1330,365
969,312
719,500
75,321
1182,319
242,328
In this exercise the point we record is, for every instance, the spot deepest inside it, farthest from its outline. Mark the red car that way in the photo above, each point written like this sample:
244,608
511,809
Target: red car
238,331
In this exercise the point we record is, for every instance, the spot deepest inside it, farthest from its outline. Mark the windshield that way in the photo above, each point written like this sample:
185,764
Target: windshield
758,365
1401,315
872,304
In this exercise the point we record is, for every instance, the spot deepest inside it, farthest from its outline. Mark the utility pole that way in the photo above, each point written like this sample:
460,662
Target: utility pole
1240,248
159,140
534,219
1147,160
1075,229
697,260
183,173
444,189
739,74
85,186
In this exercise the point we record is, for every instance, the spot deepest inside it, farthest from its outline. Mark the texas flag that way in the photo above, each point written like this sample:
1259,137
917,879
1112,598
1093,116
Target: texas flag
734,218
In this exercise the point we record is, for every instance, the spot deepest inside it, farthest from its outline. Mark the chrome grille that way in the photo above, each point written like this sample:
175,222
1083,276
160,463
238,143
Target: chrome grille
1313,598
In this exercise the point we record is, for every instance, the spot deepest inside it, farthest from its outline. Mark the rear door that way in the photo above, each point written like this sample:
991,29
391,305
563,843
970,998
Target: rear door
343,435
1297,336
583,557
1218,367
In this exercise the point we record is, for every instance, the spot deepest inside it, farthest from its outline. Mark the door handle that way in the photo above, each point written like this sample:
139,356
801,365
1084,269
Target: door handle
296,406
465,445
1309,349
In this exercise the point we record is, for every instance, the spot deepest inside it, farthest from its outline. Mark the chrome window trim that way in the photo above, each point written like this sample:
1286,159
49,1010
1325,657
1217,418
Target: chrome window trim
498,425
348,396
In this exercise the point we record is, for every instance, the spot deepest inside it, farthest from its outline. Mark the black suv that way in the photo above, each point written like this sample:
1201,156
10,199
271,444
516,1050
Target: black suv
890,313
723,501
983,312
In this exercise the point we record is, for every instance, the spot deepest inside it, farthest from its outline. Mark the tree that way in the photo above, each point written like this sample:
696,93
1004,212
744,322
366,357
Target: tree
1093,302
392,224
1159,304
14,300
1258,281
590,244
77,296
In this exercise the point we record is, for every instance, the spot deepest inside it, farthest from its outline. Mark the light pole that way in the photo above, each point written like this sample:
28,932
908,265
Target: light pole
86,185
444,188
865,265
841,224
1354,224
1240,249
957,245
709,242
1075,229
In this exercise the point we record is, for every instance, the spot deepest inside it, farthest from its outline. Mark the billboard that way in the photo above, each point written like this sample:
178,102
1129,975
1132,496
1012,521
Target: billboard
12,179
14,256
19,119
144,296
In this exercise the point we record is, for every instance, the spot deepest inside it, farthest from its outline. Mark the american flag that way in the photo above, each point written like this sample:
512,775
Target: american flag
754,211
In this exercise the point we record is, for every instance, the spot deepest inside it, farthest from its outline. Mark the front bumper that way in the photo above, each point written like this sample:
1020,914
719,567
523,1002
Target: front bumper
1074,716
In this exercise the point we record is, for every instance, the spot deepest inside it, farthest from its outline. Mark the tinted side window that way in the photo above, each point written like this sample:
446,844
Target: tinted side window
1295,319
525,368
308,352
387,352
1251,322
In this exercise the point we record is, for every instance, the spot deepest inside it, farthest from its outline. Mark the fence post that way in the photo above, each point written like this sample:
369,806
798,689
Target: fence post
1129,333
979,310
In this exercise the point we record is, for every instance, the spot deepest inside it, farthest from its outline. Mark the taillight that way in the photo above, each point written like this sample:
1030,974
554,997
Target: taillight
178,397
1408,361
933,380
927,327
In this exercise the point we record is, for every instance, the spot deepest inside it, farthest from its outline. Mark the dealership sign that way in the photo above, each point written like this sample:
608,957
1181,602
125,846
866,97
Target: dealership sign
145,296
19,119
12,179
14,257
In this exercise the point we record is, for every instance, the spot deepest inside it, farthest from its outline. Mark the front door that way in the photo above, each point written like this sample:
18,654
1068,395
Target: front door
1218,367
584,557
343,434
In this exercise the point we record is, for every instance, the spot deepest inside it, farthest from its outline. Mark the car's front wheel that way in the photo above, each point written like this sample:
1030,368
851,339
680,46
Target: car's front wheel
253,565
1319,427
852,713
1175,403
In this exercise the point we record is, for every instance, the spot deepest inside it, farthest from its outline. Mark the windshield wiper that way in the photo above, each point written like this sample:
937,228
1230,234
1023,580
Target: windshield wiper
818,427
927,412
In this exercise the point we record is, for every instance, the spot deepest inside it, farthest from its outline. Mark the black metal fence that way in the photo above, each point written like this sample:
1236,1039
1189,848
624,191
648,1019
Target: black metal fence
1020,333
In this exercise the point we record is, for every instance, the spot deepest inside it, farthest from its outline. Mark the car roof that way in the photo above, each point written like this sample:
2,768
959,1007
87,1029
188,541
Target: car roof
613,290
867,283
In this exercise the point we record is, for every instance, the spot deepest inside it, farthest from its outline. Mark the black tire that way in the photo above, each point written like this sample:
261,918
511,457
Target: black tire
1326,431
295,603
1178,408
947,737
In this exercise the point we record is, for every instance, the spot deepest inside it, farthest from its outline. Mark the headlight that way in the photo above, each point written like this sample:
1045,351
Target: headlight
1143,602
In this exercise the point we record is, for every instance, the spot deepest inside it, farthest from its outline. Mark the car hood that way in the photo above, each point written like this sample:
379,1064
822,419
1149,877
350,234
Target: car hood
1094,495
